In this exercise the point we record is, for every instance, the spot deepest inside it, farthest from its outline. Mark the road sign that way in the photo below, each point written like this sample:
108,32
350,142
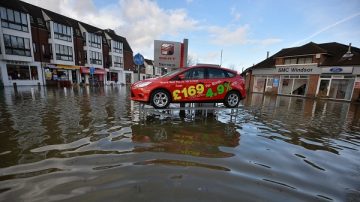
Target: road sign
138,59
92,70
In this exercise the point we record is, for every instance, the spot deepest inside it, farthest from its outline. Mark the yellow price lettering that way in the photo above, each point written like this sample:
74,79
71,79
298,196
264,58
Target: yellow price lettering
176,95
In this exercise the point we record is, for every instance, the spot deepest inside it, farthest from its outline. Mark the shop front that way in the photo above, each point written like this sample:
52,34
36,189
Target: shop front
21,74
97,78
336,83
65,75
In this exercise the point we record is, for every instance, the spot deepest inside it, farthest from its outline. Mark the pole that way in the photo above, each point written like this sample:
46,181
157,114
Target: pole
221,57
138,72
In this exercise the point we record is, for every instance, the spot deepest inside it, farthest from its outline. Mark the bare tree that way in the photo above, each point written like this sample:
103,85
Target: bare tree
191,60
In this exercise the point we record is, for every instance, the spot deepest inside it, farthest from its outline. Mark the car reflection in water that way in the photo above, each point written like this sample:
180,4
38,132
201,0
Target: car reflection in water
201,138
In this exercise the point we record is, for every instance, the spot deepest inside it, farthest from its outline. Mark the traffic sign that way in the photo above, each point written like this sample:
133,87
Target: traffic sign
92,70
139,59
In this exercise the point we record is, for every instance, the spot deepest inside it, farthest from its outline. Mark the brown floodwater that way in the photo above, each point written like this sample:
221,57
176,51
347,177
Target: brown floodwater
82,144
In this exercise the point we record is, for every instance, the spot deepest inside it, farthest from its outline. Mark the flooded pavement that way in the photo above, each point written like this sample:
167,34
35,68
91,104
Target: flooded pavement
90,144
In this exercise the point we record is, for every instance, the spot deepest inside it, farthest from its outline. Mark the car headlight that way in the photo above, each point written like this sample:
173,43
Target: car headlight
143,84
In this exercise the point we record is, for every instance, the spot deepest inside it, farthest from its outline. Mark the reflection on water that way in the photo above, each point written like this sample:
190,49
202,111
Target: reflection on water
90,144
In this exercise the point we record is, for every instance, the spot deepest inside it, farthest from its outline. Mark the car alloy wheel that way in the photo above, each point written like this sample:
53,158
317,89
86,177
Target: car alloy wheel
232,99
160,99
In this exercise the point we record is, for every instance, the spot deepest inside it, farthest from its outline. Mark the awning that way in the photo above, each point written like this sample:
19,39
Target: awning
86,70
68,66
57,66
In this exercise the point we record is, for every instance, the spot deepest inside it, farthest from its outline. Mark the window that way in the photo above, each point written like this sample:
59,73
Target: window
305,60
300,60
95,58
118,61
216,73
196,73
63,52
34,47
62,32
117,47
290,61
19,72
17,45
95,40
14,19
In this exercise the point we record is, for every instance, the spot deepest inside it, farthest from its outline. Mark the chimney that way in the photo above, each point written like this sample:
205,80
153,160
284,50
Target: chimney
348,55
267,54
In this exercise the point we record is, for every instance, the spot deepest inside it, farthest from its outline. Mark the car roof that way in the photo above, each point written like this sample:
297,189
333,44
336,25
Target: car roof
212,66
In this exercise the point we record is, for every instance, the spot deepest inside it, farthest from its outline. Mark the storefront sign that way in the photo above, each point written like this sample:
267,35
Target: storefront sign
167,54
337,70
297,70
86,70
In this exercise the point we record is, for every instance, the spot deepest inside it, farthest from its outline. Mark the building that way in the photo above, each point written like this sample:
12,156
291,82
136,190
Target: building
39,46
327,70
17,61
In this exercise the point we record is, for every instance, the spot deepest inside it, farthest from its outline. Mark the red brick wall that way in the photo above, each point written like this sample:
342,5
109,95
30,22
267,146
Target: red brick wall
356,95
312,85
128,61
279,61
41,38
106,58
79,51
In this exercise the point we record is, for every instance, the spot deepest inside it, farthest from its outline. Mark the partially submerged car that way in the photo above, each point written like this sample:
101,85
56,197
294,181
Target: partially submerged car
190,85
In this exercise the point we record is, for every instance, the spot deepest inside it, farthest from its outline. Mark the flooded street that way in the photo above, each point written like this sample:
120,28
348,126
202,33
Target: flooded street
85,144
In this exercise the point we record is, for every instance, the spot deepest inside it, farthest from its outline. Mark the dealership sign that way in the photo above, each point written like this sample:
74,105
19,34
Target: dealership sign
297,70
337,70
167,54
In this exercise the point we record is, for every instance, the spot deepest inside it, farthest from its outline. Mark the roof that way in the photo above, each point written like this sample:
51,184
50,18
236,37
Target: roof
35,13
307,49
149,62
14,5
336,52
91,28
118,38
334,55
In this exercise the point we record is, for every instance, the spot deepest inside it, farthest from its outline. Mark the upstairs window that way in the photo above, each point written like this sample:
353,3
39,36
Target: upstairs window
17,45
118,61
62,32
95,58
299,60
63,52
95,40
14,19
118,47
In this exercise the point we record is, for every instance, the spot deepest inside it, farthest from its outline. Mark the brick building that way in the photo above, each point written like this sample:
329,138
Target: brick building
39,46
327,70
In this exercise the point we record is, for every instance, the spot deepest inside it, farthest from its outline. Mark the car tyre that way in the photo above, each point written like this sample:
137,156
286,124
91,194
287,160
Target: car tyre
232,99
160,99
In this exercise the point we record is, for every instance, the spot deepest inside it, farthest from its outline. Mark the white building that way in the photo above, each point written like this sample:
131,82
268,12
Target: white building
17,65
115,73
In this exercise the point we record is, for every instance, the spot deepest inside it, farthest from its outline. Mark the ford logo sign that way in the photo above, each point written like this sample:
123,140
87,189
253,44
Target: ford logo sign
336,69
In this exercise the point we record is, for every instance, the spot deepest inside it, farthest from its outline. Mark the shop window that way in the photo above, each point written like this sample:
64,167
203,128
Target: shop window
259,84
341,88
18,72
299,87
269,84
294,85
323,87
286,86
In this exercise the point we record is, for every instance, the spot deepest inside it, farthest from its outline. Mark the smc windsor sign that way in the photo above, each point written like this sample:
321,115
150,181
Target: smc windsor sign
297,70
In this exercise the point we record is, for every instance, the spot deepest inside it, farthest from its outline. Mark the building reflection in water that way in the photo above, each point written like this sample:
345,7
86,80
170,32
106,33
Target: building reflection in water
309,123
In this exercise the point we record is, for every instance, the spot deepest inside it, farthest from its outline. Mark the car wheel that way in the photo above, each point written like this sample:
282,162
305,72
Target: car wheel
232,99
160,99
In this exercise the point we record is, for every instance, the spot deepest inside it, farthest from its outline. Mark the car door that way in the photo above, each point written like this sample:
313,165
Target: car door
217,84
188,86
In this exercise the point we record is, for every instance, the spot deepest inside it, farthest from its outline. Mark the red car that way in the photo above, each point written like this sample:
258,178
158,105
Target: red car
192,84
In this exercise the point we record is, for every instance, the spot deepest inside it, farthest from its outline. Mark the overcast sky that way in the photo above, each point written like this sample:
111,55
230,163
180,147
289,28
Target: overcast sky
244,29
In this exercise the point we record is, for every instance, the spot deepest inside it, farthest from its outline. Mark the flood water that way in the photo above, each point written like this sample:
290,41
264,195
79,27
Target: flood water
86,144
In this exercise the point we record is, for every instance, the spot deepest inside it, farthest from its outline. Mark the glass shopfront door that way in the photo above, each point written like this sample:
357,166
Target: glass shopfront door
336,87
293,85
